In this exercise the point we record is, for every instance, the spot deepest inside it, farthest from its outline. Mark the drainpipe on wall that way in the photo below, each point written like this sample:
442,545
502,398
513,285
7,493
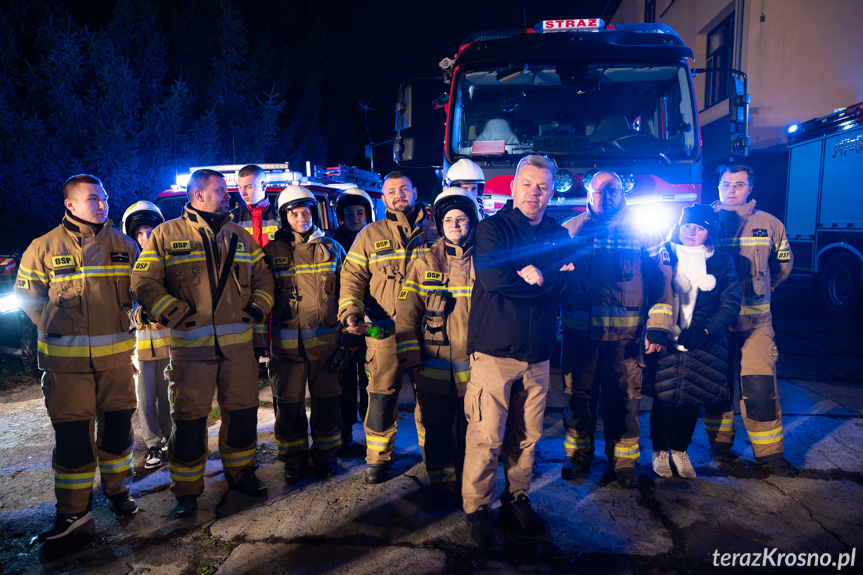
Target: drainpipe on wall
738,36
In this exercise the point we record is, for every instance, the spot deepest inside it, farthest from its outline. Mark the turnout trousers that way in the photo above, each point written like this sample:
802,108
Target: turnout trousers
614,369
92,418
504,406
289,377
441,428
753,354
385,383
234,380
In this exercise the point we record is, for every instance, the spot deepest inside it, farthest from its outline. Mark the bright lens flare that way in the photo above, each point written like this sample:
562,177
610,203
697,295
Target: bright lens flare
9,303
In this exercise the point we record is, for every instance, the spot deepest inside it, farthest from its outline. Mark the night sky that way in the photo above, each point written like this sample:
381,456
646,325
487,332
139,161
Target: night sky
375,46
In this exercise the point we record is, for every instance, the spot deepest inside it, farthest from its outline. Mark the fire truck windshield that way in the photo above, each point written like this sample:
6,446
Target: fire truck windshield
573,109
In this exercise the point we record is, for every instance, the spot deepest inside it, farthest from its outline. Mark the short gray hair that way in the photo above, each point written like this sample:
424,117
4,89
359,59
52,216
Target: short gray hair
537,161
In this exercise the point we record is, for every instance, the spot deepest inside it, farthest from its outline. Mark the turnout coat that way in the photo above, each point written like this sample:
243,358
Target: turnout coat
699,376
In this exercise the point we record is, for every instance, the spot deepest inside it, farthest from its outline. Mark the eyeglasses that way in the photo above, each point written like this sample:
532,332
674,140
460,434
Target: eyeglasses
739,186
450,222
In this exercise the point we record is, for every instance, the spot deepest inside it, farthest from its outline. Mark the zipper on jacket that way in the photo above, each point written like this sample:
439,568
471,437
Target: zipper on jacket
211,273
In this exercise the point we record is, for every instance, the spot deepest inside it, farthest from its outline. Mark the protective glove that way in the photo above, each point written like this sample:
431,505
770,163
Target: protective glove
657,336
694,337
339,360
254,313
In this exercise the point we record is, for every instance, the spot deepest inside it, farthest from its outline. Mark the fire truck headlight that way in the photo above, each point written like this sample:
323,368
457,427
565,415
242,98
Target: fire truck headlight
9,302
183,179
655,218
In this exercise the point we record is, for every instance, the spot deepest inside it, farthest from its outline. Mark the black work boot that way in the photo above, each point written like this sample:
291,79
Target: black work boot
520,515
376,473
626,477
187,506
721,452
480,529
248,483
778,464
574,469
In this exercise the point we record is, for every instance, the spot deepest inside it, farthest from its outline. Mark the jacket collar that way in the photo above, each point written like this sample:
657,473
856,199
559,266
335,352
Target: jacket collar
744,210
401,218
457,252
76,226
198,221
261,206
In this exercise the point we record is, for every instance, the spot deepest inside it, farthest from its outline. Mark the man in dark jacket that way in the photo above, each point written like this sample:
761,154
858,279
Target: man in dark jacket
521,272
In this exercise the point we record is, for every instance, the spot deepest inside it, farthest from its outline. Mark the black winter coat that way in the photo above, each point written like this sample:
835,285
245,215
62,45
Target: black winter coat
510,318
699,376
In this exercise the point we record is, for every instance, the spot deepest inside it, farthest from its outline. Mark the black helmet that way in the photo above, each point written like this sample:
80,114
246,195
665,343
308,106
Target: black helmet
455,198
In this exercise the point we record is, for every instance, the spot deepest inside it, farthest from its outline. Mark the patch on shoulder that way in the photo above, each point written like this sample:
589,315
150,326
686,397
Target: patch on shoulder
403,294
142,266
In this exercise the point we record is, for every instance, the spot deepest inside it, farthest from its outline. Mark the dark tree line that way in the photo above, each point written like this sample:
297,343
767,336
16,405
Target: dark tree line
162,86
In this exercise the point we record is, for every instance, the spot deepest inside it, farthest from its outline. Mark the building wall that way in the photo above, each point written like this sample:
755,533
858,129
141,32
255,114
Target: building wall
801,57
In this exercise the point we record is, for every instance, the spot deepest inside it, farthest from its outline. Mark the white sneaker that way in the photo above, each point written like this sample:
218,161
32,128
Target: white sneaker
660,464
680,462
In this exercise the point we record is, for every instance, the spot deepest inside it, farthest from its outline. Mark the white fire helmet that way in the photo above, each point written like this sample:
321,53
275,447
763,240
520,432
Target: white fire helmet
293,196
354,197
141,213
454,197
465,172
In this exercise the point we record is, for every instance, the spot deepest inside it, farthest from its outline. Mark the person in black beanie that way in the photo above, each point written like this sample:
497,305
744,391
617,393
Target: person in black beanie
691,370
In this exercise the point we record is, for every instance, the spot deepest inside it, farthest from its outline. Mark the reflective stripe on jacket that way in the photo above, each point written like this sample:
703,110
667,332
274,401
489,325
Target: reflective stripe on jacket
176,280
757,242
378,263
305,315
74,285
432,314
629,271
269,221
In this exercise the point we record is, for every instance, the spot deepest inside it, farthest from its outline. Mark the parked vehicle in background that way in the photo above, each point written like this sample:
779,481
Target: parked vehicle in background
324,183
824,206
587,95
16,329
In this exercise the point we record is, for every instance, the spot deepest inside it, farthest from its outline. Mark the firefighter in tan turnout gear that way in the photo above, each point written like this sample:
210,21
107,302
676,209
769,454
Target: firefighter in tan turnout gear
74,284
630,291
205,278
371,280
757,242
305,335
431,335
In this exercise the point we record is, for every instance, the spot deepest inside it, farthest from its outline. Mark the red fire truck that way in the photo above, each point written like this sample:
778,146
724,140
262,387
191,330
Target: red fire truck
325,183
587,95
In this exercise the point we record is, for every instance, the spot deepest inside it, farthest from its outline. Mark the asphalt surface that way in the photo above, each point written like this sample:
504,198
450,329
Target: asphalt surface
343,526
